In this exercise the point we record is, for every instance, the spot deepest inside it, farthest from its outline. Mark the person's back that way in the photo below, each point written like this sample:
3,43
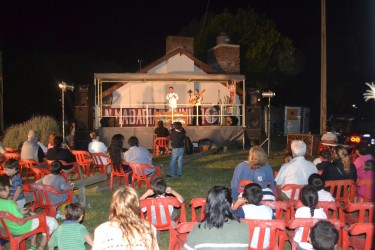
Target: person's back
317,181
161,131
366,173
30,149
138,154
71,234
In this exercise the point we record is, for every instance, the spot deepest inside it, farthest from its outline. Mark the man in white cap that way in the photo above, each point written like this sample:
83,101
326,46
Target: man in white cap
30,149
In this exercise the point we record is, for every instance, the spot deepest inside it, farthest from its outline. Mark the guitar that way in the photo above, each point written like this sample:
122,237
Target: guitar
194,100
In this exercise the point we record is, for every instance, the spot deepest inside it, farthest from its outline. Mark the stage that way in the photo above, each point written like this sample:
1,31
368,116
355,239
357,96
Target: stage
218,135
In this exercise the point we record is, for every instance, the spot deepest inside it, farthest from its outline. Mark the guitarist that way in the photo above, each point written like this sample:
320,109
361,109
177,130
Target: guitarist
197,101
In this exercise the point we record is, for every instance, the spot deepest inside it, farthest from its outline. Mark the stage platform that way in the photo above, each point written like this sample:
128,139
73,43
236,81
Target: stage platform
218,135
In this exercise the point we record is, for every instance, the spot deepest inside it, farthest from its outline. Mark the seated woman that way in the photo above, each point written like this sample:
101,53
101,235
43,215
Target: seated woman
255,166
58,153
220,229
366,173
116,153
342,167
125,228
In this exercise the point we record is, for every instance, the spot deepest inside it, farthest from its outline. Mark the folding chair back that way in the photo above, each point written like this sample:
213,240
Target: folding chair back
101,161
361,212
178,235
83,158
368,186
196,204
139,173
342,190
283,211
161,142
356,239
295,189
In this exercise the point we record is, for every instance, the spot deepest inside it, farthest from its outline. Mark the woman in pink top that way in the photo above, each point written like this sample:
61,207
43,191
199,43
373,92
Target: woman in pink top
363,156
366,173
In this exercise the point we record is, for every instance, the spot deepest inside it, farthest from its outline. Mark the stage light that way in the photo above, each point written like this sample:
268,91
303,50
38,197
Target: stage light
268,94
64,86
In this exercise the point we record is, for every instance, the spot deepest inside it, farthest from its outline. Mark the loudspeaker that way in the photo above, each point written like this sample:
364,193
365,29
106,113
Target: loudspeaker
81,96
253,118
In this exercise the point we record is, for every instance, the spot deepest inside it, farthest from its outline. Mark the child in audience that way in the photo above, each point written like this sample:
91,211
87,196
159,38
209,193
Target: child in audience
159,189
309,198
58,182
249,207
325,159
71,234
11,168
324,235
19,229
318,183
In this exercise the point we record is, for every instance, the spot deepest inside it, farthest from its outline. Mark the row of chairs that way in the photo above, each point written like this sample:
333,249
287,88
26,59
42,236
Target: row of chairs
355,219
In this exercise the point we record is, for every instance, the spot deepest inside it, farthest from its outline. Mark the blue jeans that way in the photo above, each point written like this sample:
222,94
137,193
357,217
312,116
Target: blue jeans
177,154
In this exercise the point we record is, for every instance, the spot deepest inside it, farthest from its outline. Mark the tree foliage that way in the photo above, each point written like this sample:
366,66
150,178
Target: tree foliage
268,58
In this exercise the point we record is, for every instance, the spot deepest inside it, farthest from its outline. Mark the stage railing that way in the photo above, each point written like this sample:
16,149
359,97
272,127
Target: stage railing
144,115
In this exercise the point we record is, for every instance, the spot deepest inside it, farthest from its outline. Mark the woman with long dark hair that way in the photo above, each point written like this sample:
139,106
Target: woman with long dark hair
116,153
220,229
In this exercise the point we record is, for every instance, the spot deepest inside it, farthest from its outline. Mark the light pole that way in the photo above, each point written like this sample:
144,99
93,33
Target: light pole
268,95
63,86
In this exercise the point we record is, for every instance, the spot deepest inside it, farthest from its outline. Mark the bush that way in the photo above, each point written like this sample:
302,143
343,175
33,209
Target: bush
17,134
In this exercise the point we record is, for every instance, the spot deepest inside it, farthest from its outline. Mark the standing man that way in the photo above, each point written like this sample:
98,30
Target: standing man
172,97
197,101
177,138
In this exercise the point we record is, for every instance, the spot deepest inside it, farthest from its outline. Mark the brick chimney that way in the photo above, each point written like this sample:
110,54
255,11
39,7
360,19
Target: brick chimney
224,57
174,42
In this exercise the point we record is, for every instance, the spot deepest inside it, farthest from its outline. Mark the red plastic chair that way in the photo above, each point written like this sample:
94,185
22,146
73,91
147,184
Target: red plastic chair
361,212
342,190
83,158
19,241
369,184
196,204
161,142
162,204
356,233
332,209
99,162
307,224
140,176
296,190
9,155
119,174
282,209
31,170
276,230
242,184
10,150
42,200
178,235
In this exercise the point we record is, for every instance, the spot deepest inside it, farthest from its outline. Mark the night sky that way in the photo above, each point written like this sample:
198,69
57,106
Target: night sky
44,42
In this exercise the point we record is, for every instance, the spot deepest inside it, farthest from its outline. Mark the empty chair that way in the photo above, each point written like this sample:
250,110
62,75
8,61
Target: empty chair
266,234
19,241
361,212
42,198
139,174
100,161
195,204
342,190
83,158
361,236
295,191
282,209
178,234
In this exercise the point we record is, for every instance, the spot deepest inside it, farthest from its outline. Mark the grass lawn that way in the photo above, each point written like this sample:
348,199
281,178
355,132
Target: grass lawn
198,177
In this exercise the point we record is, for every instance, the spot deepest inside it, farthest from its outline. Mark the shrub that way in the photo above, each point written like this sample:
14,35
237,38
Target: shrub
17,134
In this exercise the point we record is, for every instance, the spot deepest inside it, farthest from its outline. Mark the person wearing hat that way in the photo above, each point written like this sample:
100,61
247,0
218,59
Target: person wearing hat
30,149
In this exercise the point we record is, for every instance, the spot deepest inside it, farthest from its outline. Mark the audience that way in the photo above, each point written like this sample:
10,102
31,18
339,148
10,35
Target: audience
309,198
249,207
366,173
297,171
18,229
116,153
125,228
71,234
364,155
30,149
220,229
342,168
255,169
317,181
11,168
325,159
324,235
140,155
58,153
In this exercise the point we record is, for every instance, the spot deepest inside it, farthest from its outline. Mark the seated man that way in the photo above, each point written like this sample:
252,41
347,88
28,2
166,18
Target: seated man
297,171
30,149
138,154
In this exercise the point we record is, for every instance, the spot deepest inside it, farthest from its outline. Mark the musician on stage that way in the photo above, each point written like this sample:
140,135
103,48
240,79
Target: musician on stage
172,97
197,101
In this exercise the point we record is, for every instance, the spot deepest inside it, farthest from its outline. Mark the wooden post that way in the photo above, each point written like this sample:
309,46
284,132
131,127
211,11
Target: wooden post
323,71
